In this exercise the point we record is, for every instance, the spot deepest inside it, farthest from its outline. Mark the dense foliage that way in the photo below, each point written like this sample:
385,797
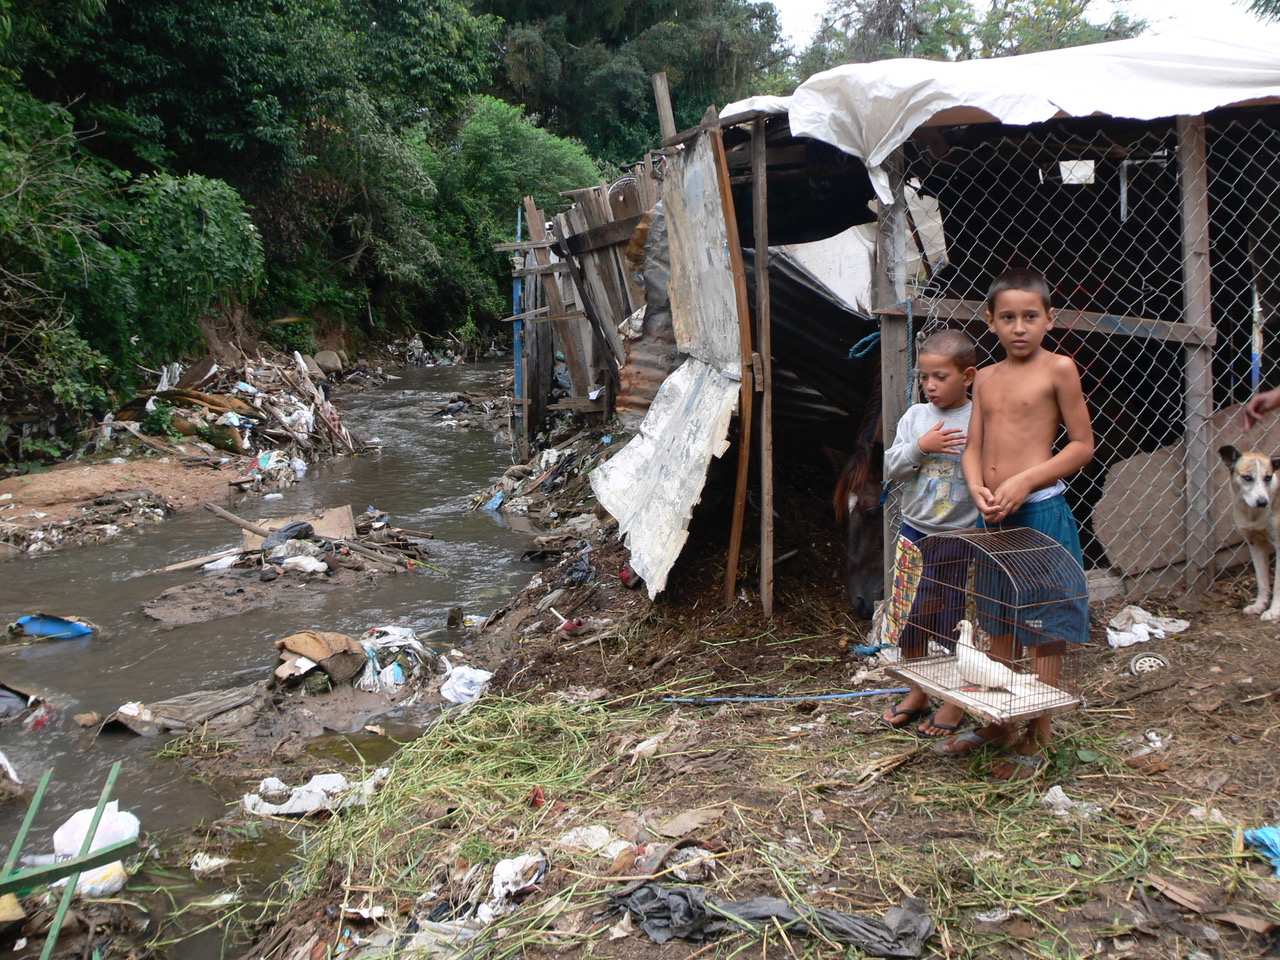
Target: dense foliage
351,163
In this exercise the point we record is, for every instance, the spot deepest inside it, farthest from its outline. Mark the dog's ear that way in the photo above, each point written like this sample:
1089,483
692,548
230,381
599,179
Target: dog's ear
1229,455
1275,463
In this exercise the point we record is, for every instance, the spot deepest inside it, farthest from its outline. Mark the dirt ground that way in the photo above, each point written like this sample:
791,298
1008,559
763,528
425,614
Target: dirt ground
73,504
818,802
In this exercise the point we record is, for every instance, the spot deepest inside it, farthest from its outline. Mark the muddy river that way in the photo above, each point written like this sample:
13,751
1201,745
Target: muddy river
425,476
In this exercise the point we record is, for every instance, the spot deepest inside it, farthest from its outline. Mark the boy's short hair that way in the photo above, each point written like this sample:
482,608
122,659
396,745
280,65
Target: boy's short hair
1024,278
953,345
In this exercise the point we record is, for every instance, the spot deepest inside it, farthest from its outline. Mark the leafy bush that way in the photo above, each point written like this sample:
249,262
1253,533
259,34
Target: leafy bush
159,421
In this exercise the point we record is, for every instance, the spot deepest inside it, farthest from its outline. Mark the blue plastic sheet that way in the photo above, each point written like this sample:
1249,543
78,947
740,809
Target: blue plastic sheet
1267,842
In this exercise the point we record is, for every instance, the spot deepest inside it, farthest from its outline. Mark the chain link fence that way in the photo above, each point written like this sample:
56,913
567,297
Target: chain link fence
1161,241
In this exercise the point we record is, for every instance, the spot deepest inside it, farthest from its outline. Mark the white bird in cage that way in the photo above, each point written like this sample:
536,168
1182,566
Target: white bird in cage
979,669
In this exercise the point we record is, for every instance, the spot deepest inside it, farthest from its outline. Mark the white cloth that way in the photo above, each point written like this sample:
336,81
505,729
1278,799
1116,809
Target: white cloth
870,109
1134,625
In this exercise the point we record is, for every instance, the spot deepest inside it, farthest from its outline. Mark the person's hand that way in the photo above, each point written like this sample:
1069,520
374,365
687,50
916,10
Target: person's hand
942,440
1010,495
982,499
1260,404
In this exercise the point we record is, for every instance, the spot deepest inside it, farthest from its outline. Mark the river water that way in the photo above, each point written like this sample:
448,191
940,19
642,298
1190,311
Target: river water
425,476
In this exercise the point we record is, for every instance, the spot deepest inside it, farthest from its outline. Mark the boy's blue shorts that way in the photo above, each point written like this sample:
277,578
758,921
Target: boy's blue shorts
1038,623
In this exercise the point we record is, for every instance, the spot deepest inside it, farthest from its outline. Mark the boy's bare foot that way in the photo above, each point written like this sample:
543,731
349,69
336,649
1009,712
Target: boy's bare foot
907,709
967,741
1025,761
945,721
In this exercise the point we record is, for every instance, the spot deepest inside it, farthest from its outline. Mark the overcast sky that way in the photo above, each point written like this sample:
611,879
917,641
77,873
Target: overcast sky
800,18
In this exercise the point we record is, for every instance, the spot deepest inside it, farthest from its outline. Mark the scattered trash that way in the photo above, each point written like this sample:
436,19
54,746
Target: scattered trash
692,864
207,864
90,719
1134,625
463,684
9,770
116,826
213,711
1057,801
323,792
42,626
1266,840
688,821
1147,663
997,915
392,655
222,563
687,913
513,879
1209,815
593,839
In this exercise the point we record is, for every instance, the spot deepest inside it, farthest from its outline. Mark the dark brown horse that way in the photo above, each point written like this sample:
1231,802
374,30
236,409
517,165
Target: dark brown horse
858,509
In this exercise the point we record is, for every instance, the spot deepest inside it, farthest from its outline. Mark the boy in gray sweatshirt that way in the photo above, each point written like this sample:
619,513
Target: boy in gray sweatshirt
934,497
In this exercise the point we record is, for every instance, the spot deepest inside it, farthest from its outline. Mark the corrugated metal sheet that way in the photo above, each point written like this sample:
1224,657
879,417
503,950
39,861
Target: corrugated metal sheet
652,484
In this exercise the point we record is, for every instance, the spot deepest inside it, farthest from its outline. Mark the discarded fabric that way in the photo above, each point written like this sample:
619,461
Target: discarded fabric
464,684
1267,842
688,913
323,792
1135,625
1061,805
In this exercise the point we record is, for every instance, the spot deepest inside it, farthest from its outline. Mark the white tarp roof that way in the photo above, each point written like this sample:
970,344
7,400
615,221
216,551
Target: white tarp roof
870,109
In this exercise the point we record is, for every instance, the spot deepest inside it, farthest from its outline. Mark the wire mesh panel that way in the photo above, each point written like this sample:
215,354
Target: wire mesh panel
1163,252
996,623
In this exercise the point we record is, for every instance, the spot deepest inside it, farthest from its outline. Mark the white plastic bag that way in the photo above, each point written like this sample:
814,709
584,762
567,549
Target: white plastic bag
114,827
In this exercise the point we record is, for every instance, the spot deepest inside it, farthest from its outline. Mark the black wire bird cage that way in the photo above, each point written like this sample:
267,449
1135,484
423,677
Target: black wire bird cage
996,624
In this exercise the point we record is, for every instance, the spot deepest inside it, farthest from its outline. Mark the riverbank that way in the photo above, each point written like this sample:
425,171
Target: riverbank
585,789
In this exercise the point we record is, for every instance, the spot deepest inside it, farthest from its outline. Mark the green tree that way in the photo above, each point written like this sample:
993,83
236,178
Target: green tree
583,68
858,31
498,157
1266,9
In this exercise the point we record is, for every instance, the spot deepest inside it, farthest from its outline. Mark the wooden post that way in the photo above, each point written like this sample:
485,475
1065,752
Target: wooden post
760,220
579,376
889,288
1197,305
662,98
745,398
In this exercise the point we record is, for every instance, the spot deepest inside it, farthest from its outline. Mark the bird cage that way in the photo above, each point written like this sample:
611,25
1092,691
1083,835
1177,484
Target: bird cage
997,623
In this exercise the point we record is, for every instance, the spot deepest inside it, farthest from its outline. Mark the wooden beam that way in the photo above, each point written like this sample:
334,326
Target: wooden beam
889,291
520,246
588,309
607,235
579,404
567,330
662,100
542,269
745,393
527,315
760,220
1197,304
1078,321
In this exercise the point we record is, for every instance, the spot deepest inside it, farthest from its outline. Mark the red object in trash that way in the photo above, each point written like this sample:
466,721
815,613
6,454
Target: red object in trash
571,626
537,797
630,579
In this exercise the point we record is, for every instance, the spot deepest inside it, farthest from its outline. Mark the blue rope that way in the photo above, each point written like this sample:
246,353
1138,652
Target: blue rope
862,349
767,698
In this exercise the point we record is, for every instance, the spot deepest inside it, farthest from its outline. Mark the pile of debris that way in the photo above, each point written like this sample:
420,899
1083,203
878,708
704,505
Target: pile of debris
278,408
475,411
327,550
554,484
106,517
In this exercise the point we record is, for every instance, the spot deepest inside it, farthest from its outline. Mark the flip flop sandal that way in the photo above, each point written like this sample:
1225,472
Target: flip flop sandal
970,740
897,712
1019,767
947,729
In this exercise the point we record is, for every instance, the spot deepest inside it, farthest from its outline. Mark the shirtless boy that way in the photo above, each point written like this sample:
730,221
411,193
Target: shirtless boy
1015,478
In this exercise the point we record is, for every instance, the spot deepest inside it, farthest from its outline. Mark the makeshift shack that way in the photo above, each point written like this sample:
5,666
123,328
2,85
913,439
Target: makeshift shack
1141,176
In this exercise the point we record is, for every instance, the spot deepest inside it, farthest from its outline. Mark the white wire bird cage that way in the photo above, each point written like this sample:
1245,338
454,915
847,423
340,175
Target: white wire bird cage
997,623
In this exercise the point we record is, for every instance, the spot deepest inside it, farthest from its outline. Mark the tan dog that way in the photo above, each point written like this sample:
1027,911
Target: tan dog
1256,511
